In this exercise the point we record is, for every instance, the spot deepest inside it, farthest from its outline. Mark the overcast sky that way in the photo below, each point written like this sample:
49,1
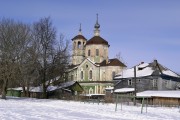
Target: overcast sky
141,30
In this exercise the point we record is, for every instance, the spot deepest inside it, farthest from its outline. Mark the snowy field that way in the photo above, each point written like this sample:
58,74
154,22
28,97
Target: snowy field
40,109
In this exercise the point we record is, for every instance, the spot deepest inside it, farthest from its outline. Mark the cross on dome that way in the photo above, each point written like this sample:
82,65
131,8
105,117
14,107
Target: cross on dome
97,26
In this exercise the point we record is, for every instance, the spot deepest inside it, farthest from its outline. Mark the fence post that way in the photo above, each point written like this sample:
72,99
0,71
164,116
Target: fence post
116,102
142,105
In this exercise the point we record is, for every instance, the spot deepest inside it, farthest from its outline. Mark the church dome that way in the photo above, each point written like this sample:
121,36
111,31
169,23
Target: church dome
97,40
79,37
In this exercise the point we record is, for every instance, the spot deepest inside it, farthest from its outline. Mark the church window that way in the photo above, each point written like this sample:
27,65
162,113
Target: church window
79,44
91,91
72,77
89,52
90,74
81,74
97,52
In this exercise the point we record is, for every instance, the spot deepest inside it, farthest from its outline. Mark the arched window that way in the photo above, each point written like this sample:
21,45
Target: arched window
91,91
89,52
79,44
97,52
90,74
81,74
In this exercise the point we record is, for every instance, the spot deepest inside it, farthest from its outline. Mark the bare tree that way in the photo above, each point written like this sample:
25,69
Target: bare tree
119,57
9,46
31,55
45,34
60,56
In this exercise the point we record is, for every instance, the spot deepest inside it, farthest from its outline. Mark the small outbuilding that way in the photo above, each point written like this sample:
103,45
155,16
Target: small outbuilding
161,98
16,92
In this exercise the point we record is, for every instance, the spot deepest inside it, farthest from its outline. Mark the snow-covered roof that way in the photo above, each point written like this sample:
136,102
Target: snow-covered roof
18,89
36,89
49,88
89,95
143,65
124,90
146,69
109,88
170,73
171,94
67,84
129,73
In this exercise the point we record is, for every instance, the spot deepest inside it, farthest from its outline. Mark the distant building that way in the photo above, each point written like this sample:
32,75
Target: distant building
149,76
91,66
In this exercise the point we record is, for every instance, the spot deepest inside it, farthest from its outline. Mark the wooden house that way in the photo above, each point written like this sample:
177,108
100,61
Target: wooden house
149,76
67,90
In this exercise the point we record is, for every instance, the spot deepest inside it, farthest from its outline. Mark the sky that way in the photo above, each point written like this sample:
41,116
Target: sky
141,30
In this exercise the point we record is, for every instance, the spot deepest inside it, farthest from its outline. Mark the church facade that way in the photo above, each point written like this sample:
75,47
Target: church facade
91,66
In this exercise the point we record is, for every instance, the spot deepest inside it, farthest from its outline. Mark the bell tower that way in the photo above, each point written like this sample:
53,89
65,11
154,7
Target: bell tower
79,42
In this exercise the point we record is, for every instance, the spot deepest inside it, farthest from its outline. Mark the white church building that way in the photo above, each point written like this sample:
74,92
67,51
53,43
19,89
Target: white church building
91,66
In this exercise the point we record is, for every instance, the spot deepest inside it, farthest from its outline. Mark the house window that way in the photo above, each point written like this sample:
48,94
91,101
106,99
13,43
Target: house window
130,82
81,74
154,83
89,52
97,52
113,74
90,74
168,83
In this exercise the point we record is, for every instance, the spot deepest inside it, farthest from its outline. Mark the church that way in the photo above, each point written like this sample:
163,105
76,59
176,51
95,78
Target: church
91,66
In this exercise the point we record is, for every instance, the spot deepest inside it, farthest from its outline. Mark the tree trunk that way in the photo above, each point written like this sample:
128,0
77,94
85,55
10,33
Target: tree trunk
27,90
44,91
4,89
24,91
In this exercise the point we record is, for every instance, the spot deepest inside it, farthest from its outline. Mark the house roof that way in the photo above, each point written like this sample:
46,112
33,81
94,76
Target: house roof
147,69
166,94
79,37
112,62
71,85
97,40
124,90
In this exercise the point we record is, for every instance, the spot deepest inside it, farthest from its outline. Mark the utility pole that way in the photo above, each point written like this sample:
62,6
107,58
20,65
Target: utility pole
135,85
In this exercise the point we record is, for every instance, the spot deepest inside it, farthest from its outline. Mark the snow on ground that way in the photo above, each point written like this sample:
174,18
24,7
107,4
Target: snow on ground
41,109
